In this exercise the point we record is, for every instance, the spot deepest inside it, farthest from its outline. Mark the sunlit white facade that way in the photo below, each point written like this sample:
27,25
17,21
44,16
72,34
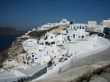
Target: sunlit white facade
76,31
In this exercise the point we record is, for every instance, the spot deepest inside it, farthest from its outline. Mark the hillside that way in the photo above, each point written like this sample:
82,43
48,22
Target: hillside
39,33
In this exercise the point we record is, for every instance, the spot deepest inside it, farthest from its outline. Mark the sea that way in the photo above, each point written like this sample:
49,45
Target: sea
6,41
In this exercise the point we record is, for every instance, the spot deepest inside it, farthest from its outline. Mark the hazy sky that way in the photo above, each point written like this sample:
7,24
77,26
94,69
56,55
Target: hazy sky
28,13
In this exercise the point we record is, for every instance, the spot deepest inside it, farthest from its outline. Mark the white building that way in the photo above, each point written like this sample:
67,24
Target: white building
48,47
92,24
29,44
23,74
33,29
51,25
105,23
64,22
52,39
76,31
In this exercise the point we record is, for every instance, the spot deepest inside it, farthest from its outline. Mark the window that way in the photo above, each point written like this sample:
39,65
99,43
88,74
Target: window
80,26
52,42
32,55
45,38
73,35
46,43
71,22
66,31
82,36
58,33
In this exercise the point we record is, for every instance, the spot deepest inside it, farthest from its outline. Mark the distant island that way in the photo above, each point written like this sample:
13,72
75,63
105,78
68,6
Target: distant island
12,31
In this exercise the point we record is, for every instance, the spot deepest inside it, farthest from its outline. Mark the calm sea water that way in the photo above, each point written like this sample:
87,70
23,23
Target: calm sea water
6,41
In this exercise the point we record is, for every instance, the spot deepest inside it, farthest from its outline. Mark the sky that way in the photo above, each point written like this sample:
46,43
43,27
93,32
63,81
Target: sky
29,13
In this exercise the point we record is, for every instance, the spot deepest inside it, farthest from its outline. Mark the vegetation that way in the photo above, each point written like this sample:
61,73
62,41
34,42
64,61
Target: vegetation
49,63
38,34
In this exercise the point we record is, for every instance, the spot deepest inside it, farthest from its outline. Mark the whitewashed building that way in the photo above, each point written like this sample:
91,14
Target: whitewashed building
76,31
52,39
51,25
64,22
45,49
29,44
105,23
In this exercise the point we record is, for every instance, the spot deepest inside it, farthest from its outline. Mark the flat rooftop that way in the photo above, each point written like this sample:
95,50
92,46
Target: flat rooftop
7,75
31,70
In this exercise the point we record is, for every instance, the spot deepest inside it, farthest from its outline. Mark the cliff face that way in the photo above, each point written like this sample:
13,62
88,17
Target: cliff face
12,53
15,45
